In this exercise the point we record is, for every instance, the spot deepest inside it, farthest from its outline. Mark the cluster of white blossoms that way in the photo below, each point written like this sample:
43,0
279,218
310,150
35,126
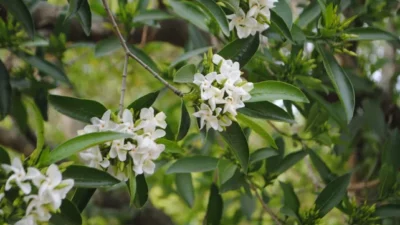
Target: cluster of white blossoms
222,93
141,146
253,21
42,193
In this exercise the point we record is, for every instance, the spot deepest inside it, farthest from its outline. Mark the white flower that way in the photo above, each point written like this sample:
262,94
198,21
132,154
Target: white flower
228,69
243,23
146,142
37,208
120,149
149,122
27,220
207,118
104,124
143,163
117,173
19,176
92,158
261,6
127,122
207,91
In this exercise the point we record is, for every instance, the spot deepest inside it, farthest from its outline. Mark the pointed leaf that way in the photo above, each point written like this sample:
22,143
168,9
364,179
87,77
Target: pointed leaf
151,15
68,215
276,90
74,6
266,110
283,10
170,146
279,24
371,34
185,74
193,164
144,102
107,47
248,205
184,186
5,92
79,109
131,183
145,58
237,142
290,160
142,191
82,197
226,170
190,12
37,116
21,13
185,122
215,207
4,157
323,170
217,13
80,143
291,201
241,50
309,14
262,154
188,55
87,177
387,211
84,16
256,128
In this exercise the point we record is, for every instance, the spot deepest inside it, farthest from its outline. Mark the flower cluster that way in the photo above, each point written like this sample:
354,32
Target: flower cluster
141,145
222,93
255,20
42,193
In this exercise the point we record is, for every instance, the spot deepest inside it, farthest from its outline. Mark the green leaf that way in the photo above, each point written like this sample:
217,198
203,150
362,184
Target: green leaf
144,58
144,102
283,10
276,90
191,164
142,191
290,160
188,55
190,12
107,47
4,157
87,177
234,137
68,215
323,170
37,116
332,194
233,5
266,110
256,128
316,117
237,181
262,154
170,146
184,186
151,15
45,66
241,50
74,6
371,34
184,125
217,13
226,170
5,92
309,14
21,13
84,16
279,24
248,205
185,74
387,177
80,143
340,81
79,109
131,183
291,201
82,197
387,211
215,207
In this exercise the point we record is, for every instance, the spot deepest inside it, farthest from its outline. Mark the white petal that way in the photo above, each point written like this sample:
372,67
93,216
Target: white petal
147,113
217,59
106,116
149,166
127,116
54,174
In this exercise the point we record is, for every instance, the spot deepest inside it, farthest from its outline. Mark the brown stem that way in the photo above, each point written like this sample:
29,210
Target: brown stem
265,206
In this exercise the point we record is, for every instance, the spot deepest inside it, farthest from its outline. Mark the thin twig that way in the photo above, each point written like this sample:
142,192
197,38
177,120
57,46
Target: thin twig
123,85
363,185
143,40
266,207
128,51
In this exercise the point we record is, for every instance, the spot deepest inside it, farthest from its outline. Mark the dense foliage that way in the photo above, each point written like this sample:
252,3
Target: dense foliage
277,112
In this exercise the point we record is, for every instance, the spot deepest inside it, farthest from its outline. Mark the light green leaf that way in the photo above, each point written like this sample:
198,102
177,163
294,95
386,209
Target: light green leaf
190,12
371,34
184,124
262,154
226,170
144,102
5,92
256,128
266,110
192,164
84,16
185,74
290,160
276,90
131,183
283,10
170,146
217,13
21,13
37,116
241,50
79,109
142,191
87,177
188,55
215,207
234,137
151,15
80,143
68,215
107,46
184,186
387,211
340,81
332,194
36,42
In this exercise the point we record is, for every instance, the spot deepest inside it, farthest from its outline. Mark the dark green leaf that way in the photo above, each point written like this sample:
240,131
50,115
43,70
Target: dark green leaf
340,81
309,14
68,215
131,183
144,102
84,16
40,99
79,109
332,194
185,74
4,157
237,181
151,15
387,211
316,117
87,177
80,143
74,6
290,160
21,13
38,120
142,191
144,58
298,35
107,46
190,12
279,24
187,56
215,207
184,124
256,128
193,164
184,186
291,201
371,34
262,154
226,170
217,13
170,146
234,137
387,178
283,10
5,92
241,50
19,113
247,205
323,170
276,90
266,110
82,197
